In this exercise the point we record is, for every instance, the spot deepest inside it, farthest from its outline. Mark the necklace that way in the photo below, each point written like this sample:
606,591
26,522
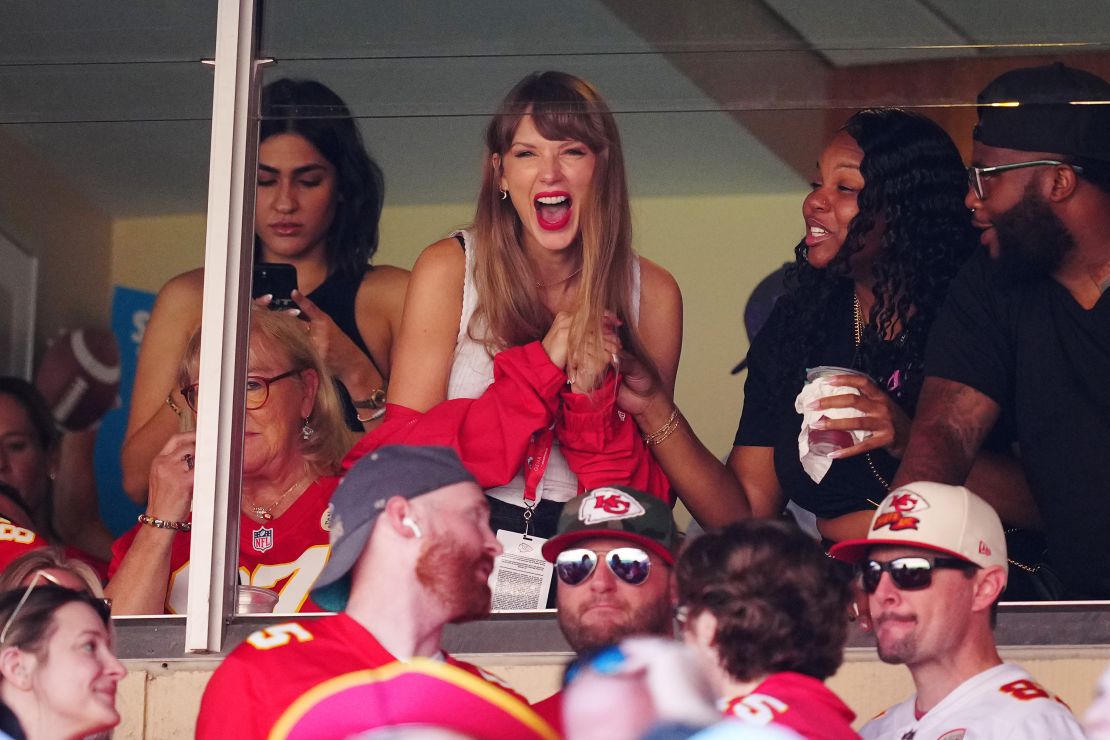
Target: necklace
857,333
266,512
541,284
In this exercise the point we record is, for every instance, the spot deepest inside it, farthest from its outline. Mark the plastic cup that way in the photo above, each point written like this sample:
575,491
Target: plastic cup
256,600
823,442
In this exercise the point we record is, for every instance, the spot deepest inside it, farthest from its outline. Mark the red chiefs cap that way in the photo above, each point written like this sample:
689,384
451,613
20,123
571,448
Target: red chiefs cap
619,512
949,519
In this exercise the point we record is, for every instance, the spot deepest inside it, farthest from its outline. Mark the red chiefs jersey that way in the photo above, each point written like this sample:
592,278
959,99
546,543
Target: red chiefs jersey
551,709
799,702
16,540
330,678
285,554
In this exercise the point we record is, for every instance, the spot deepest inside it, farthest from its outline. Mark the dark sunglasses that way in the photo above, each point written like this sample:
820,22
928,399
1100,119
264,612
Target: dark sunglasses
909,573
630,564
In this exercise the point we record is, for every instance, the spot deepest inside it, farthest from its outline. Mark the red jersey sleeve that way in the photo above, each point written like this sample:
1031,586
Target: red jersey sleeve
603,445
490,433
230,707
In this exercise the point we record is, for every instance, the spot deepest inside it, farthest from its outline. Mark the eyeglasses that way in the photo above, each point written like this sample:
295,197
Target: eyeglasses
103,607
630,564
909,573
26,594
976,175
258,390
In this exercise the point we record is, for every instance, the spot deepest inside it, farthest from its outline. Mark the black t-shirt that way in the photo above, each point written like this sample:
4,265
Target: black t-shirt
769,418
1040,356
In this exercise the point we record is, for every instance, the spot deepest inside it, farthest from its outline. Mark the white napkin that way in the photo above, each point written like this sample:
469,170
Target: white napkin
816,466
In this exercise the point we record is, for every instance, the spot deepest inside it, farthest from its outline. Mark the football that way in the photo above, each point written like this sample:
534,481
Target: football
79,377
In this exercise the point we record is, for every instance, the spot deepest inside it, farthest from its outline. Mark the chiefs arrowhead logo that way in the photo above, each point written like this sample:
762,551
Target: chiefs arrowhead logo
608,504
895,512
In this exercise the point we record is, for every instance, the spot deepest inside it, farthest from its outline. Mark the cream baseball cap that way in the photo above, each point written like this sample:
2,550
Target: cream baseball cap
935,516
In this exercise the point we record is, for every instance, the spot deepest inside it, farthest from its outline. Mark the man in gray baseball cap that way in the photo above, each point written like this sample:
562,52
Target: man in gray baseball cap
411,551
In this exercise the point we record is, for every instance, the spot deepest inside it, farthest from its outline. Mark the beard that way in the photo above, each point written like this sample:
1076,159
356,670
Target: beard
895,650
448,572
1032,240
652,617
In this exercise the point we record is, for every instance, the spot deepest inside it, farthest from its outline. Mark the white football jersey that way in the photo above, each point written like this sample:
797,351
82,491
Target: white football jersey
1003,702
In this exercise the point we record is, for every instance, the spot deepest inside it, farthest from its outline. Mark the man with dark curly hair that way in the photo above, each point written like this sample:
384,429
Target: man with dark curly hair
769,613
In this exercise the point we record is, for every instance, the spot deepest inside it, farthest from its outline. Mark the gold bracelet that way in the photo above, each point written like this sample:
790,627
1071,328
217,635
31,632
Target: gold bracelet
664,431
373,417
173,406
376,400
150,521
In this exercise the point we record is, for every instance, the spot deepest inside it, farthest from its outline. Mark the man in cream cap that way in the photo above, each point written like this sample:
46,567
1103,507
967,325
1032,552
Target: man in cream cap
933,566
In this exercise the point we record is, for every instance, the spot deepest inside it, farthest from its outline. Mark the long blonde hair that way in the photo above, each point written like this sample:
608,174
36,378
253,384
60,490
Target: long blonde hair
285,336
562,107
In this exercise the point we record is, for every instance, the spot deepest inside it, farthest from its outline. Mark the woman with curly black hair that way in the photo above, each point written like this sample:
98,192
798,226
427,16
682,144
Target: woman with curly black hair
886,231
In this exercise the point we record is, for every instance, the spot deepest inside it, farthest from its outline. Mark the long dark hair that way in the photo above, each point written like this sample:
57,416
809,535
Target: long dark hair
313,111
913,193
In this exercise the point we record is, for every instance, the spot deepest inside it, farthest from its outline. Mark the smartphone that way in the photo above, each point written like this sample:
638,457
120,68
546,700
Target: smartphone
277,279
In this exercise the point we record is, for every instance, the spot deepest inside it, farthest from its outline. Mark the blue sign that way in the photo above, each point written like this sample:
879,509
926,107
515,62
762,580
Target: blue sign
130,312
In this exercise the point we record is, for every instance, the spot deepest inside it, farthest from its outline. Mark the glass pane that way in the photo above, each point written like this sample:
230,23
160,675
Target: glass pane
104,139
723,108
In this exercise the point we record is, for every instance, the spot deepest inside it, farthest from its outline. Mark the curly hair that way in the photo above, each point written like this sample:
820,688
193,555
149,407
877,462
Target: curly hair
314,112
780,603
913,196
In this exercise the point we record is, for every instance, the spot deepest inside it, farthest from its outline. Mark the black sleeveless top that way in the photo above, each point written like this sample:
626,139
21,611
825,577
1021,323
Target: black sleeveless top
336,297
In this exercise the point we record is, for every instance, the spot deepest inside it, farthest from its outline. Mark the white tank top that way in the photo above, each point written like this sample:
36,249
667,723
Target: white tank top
472,373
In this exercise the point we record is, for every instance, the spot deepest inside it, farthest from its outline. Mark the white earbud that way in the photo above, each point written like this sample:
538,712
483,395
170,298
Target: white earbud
413,526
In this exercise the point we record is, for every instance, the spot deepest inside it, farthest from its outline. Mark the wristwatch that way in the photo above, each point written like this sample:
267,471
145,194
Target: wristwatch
375,400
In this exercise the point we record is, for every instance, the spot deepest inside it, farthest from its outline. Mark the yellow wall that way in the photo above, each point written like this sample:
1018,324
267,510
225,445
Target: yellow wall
48,218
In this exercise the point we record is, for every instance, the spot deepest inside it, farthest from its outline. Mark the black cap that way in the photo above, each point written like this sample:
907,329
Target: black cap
1059,109
398,470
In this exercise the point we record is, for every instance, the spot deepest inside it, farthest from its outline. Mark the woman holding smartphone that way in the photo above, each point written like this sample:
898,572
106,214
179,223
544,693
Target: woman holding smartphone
317,207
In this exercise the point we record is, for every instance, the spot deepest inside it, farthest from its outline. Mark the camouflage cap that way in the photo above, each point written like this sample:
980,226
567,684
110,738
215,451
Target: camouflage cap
619,512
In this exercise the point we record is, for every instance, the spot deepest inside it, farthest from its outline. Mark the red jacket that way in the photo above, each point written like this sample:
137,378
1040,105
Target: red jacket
497,432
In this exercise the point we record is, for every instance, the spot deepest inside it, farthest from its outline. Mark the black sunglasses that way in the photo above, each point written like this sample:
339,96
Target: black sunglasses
630,564
909,573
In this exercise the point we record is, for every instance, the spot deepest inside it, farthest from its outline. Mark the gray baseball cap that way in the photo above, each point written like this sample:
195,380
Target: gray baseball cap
398,470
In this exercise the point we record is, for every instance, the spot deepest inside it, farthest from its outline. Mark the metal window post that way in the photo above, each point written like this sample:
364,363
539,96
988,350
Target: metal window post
223,349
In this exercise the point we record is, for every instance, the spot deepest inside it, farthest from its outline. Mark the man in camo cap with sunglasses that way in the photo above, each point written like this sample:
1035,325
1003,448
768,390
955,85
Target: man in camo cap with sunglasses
933,565
613,551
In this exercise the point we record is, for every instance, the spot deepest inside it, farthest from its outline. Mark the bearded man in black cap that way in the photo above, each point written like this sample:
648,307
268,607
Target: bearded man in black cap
1026,332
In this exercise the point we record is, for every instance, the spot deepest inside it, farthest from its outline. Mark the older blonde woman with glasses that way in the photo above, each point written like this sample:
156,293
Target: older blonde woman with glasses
294,439
58,671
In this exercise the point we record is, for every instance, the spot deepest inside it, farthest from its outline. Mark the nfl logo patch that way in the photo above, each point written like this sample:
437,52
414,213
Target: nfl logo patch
263,539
